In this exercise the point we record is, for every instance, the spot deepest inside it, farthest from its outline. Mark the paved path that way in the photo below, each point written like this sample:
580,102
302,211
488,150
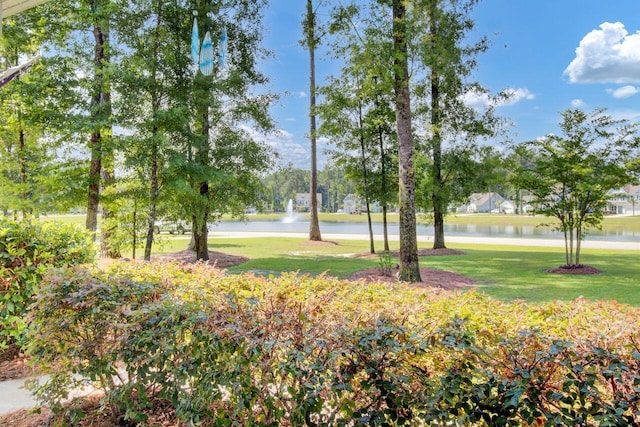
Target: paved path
14,395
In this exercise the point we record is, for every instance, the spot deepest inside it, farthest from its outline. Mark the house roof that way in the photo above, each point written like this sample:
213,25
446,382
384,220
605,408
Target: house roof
482,198
11,7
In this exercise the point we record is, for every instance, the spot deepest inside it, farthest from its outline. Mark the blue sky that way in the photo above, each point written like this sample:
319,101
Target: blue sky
553,55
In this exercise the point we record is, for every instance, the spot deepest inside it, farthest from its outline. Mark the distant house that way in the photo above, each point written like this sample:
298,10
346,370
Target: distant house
508,207
353,204
303,201
624,201
483,203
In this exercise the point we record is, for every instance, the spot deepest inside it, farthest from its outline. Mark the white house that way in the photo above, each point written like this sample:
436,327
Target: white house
483,203
624,201
303,201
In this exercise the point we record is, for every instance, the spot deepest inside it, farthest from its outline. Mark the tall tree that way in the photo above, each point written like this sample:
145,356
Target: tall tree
150,73
33,172
311,41
409,263
222,159
569,175
99,109
452,126
357,112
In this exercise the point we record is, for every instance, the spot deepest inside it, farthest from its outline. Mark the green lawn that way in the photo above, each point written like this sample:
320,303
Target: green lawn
504,272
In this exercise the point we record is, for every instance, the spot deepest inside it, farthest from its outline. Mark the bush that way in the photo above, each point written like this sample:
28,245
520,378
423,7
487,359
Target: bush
296,350
27,250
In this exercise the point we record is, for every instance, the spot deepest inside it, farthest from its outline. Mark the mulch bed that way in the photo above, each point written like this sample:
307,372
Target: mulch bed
575,269
431,278
217,259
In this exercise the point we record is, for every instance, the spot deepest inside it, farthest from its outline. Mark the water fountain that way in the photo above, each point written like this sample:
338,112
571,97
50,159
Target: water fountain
290,217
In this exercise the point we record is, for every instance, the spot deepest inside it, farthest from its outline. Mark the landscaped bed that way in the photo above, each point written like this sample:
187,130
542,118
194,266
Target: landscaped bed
295,349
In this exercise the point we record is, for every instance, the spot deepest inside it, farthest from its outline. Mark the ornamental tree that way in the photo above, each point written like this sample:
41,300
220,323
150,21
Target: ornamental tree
570,175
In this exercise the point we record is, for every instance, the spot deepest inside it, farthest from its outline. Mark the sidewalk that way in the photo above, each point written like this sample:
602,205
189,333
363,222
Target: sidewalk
14,395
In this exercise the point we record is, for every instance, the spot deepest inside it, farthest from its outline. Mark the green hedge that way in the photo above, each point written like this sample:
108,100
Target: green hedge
27,250
296,350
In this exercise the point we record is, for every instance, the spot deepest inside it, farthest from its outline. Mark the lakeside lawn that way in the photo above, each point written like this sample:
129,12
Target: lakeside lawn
503,272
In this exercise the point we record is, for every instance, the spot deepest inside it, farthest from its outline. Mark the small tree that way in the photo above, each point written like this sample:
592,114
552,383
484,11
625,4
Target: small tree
570,175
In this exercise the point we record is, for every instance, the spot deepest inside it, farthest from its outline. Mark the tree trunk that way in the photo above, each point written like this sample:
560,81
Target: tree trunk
436,142
384,228
108,230
314,226
365,178
23,173
578,244
96,141
409,263
95,145
200,231
153,198
383,174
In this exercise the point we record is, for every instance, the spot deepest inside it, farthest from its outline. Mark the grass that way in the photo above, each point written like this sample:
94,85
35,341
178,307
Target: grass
503,272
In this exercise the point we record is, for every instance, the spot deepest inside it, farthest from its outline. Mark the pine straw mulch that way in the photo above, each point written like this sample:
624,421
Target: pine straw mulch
575,269
217,259
162,415
13,367
431,278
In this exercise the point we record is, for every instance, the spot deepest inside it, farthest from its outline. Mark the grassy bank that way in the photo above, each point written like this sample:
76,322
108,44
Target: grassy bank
503,272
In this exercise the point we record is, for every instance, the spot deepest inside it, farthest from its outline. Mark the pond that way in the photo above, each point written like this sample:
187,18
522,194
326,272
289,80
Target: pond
469,230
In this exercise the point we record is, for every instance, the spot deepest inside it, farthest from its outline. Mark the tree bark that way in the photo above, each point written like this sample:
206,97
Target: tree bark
96,141
314,225
409,266
200,230
153,199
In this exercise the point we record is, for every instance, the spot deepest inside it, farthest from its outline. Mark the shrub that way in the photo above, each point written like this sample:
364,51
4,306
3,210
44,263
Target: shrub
296,350
27,250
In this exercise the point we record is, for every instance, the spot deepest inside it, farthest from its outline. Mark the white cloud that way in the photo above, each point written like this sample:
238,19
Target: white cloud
289,148
482,100
607,55
578,103
515,95
624,91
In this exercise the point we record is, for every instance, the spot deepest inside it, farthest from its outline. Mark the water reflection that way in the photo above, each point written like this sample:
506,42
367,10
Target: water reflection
471,230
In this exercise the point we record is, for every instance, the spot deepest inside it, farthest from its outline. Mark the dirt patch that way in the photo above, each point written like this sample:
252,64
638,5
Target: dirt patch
218,259
431,278
575,269
421,252
320,243
14,368
160,415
